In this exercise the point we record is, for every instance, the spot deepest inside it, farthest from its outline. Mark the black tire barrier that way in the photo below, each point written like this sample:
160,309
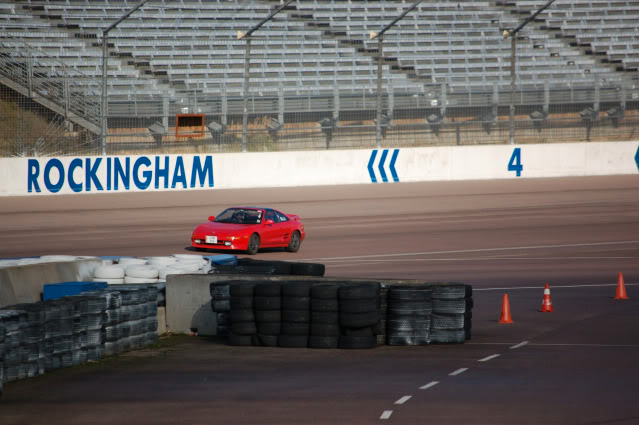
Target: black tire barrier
293,341
296,303
278,267
297,289
324,304
449,291
358,291
324,317
268,289
324,291
325,329
367,331
449,306
469,291
219,290
267,303
357,342
223,330
469,303
243,328
268,340
241,303
242,316
269,328
223,319
446,321
409,313
296,316
362,305
447,336
318,341
308,269
268,316
411,310
359,320
289,328
409,340
467,334
221,305
241,340
402,315
407,323
410,293
242,289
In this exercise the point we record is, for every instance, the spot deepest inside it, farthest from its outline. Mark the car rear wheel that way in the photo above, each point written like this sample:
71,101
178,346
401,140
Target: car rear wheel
253,244
294,243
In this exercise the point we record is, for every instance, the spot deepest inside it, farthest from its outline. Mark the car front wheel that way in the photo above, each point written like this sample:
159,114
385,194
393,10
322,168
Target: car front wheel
253,244
294,243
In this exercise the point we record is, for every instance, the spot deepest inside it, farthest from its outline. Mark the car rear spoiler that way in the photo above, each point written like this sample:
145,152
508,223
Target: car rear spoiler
294,217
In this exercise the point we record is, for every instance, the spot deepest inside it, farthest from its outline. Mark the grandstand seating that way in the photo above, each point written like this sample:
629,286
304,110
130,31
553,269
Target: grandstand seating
606,28
170,47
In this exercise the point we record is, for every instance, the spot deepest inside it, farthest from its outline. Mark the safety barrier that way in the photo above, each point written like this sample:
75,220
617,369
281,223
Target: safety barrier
136,173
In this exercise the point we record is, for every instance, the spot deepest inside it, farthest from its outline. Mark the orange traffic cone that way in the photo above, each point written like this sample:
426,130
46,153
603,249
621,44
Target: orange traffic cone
505,311
546,305
621,289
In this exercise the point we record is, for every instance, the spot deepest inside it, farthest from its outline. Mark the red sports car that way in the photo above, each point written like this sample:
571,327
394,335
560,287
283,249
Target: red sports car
249,229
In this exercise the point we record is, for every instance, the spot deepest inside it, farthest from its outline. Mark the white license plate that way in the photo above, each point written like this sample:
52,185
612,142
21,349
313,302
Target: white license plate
211,239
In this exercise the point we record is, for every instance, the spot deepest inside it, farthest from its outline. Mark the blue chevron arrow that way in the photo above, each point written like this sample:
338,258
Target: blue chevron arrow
392,165
637,158
370,166
381,166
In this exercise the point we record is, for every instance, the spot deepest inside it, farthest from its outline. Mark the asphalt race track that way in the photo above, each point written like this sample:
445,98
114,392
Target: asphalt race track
577,365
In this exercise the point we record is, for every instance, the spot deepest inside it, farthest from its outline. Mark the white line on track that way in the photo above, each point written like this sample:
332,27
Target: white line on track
554,258
459,251
521,344
551,287
386,414
485,359
429,385
458,371
404,399
586,345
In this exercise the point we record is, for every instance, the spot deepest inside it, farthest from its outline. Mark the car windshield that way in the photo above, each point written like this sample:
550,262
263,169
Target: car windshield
239,216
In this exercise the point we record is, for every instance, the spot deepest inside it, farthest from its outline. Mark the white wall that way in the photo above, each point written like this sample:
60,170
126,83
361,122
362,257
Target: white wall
273,169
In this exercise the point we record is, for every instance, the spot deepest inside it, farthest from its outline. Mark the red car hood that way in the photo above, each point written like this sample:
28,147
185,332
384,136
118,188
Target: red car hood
223,229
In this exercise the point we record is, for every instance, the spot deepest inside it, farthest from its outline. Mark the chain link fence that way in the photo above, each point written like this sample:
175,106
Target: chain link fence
304,93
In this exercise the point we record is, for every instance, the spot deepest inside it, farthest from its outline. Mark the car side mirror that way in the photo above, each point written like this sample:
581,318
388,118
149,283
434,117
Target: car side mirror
211,217
269,221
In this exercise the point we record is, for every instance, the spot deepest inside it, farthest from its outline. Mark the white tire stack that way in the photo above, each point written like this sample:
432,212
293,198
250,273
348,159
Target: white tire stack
111,274
141,274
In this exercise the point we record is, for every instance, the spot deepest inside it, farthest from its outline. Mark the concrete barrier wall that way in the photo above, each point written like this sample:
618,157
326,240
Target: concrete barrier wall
23,284
69,175
188,297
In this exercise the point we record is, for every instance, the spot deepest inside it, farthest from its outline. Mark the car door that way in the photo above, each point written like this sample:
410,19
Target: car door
286,227
271,233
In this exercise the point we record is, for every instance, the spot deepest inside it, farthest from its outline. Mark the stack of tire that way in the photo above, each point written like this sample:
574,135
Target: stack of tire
325,329
449,308
359,315
409,315
268,314
221,306
97,304
15,352
243,327
279,268
382,304
111,318
2,337
468,315
296,314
